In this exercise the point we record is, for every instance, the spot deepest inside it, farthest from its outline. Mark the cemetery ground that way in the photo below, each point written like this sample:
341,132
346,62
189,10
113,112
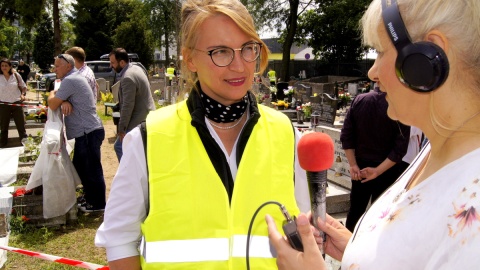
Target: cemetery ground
75,240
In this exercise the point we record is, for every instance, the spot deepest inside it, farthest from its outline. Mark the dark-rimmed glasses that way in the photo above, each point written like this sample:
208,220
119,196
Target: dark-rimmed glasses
223,56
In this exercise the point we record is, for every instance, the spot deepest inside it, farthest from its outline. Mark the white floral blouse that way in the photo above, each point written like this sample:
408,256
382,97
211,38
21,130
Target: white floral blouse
434,225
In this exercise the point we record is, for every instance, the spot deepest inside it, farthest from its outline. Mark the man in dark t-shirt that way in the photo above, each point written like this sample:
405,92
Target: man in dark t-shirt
374,146
24,70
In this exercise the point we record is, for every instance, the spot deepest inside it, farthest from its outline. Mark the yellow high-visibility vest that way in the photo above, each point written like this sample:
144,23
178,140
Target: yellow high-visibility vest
171,72
191,223
272,76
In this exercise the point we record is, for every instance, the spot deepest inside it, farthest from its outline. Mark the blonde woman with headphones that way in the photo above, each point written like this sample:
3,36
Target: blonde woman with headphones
429,67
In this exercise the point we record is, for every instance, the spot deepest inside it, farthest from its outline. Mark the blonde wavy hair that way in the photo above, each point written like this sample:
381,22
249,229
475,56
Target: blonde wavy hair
195,12
458,20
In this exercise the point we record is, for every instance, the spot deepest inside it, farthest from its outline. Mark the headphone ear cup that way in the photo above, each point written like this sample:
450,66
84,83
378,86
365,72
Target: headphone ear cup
422,66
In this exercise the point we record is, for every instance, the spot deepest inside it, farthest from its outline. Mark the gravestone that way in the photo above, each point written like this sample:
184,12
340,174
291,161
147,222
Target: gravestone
303,92
353,89
326,107
343,166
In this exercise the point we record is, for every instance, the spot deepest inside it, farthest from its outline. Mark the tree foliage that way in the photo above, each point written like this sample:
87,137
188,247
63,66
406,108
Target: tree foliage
26,11
132,35
332,30
164,23
281,16
7,41
43,44
24,43
93,27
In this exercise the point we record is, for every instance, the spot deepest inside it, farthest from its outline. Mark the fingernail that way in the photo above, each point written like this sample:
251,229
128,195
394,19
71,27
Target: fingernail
302,220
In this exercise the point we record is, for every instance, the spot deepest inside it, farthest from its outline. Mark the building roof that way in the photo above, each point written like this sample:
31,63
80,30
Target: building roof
275,47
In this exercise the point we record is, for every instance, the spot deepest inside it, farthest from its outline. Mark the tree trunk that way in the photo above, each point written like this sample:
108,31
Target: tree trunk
167,39
178,7
287,45
56,28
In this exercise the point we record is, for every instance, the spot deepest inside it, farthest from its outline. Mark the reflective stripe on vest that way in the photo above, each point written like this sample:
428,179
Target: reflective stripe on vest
189,206
211,249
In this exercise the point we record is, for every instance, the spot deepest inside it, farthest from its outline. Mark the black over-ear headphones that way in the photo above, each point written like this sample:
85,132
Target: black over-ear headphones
422,66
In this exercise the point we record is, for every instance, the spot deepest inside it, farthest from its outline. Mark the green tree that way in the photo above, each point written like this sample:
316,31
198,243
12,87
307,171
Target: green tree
26,11
24,44
132,35
332,30
92,26
66,26
282,16
43,51
164,23
7,39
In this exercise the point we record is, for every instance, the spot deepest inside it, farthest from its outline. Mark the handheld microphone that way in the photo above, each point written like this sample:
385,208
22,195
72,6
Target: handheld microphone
316,155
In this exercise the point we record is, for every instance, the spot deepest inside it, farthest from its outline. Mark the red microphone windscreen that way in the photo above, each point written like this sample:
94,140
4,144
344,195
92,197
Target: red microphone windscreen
315,152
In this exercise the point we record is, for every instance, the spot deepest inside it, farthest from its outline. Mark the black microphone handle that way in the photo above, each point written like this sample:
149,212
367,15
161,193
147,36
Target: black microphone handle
317,186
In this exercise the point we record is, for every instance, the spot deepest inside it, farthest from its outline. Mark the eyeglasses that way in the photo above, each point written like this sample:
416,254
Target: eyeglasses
223,56
61,56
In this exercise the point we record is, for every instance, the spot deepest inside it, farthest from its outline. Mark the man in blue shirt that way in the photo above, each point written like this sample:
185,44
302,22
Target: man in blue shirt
75,98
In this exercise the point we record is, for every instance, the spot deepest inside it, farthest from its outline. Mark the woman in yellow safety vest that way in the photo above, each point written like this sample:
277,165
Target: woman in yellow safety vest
189,182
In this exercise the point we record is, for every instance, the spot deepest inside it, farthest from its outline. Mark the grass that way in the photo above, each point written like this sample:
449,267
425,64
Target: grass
74,240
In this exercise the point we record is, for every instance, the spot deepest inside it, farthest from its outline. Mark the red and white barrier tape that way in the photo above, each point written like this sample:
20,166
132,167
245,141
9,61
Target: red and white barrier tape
23,105
55,258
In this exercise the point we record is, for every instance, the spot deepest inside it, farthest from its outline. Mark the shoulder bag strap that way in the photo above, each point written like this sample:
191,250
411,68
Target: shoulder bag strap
18,83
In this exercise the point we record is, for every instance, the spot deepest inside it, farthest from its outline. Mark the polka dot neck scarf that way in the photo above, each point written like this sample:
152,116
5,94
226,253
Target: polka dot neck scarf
220,113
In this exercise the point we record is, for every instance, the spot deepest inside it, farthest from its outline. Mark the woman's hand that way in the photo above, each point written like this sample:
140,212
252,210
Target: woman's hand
337,237
291,259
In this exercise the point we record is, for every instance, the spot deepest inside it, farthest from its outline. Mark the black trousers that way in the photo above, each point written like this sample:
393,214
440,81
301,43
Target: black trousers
361,193
7,112
87,162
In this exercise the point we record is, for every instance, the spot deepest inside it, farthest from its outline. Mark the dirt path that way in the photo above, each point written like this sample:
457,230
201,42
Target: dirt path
109,158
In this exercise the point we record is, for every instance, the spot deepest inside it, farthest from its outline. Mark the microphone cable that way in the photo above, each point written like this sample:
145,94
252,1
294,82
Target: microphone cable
285,213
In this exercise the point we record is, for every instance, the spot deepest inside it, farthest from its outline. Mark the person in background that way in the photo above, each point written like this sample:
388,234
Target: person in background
272,76
414,146
171,73
75,99
374,145
135,97
24,70
210,160
429,219
12,91
79,55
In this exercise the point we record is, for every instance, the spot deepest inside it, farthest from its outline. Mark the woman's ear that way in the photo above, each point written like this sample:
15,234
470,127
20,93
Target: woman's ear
439,39
187,56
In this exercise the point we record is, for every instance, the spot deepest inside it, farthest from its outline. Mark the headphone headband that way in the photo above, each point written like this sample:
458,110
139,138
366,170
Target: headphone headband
422,66
394,24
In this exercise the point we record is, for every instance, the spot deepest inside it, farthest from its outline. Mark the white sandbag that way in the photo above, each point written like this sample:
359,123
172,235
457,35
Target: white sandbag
8,165
54,169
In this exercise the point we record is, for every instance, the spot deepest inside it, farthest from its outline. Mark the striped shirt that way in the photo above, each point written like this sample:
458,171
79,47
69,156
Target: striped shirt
87,72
